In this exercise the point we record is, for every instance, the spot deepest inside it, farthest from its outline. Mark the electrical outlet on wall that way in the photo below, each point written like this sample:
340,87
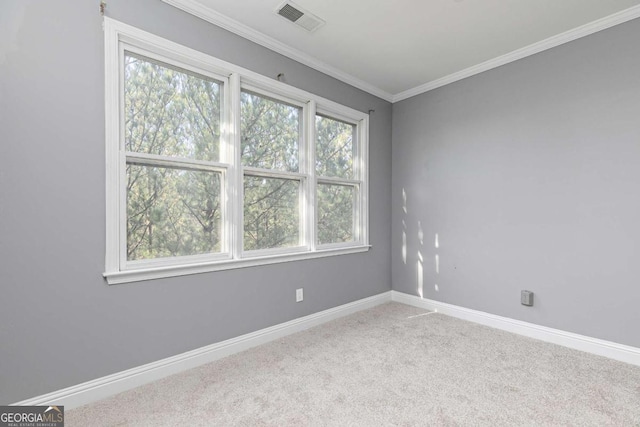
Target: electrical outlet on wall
526,298
299,295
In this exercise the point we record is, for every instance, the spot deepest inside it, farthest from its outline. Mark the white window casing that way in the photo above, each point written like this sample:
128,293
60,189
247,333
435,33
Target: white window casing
121,38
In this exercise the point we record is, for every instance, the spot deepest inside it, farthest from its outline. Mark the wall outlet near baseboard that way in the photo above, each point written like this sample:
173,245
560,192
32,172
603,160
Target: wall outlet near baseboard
299,295
526,298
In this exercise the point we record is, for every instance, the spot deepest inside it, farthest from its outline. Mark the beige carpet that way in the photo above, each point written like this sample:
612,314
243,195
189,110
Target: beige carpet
390,365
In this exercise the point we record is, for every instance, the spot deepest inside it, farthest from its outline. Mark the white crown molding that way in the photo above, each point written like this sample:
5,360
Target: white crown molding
101,388
557,40
198,9
591,345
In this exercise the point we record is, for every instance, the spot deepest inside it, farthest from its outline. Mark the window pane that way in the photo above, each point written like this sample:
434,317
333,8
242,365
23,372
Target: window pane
271,213
270,133
334,148
172,212
170,112
335,213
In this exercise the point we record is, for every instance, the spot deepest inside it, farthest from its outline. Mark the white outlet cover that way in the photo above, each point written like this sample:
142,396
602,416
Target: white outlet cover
299,295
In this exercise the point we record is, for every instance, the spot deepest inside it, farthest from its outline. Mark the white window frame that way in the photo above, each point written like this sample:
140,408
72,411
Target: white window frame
300,175
120,37
359,180
222,167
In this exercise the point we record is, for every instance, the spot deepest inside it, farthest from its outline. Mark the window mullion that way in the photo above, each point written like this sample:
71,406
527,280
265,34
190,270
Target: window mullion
236,179
362,174
310,165
226,155
303,189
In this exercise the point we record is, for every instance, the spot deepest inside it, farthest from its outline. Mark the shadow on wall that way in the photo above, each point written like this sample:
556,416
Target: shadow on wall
420,263
420,256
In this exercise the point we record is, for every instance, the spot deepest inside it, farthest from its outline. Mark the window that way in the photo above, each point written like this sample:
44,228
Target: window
271,131
210,166
337,190
174,181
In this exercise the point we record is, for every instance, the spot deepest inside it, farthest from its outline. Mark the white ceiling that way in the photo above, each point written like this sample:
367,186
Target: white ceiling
397,48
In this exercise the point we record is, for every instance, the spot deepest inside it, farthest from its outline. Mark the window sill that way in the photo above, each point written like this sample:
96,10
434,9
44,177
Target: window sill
137,275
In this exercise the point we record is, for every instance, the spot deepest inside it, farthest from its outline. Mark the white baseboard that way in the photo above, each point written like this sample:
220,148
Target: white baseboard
101,388
597,346
92,391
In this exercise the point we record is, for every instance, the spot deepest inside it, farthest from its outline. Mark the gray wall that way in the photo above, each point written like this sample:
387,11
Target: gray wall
60,324
530,175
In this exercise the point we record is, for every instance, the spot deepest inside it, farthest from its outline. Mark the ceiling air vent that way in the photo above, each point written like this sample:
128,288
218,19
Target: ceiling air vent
299,16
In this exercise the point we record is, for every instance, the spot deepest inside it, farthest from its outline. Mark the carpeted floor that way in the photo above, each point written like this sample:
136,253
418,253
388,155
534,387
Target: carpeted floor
390,365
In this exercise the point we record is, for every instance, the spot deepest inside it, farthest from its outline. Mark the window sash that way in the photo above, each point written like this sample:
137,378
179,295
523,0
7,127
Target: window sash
302,239
302,123
355,212
181,259
354,144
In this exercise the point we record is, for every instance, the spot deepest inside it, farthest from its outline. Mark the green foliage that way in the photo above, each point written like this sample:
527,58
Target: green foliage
270,133
172,212
271,213
170,112
334,148
335,213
